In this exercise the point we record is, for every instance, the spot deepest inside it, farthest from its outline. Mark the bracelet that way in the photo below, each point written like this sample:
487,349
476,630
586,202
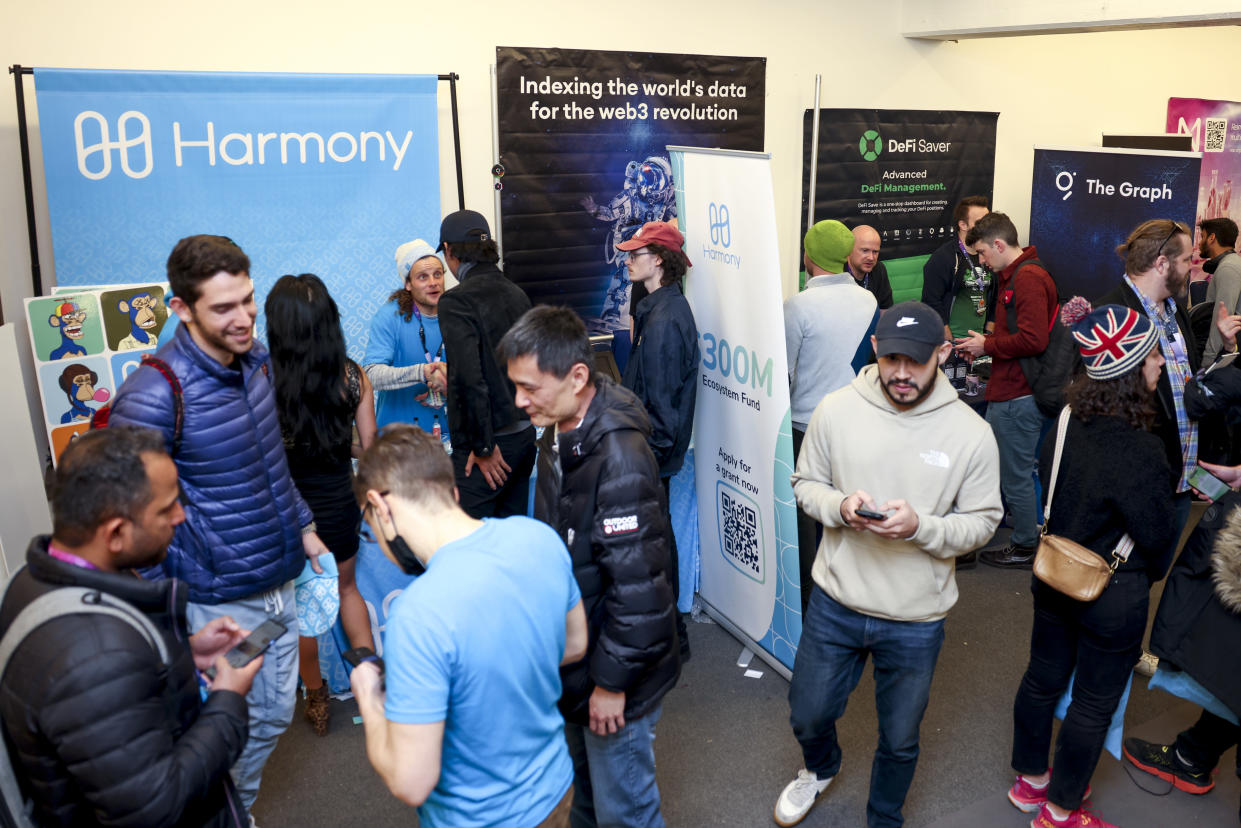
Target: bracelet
309,527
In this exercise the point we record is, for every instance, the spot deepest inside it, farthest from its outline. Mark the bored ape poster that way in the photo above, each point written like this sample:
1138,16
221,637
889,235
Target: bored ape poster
85,342
583,139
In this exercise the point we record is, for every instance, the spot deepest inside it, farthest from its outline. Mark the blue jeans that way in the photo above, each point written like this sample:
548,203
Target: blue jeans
835,642
1017,425
273,694
614,776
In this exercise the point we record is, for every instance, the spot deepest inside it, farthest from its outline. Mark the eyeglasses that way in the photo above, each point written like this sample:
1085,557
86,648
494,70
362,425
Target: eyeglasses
1177,227
637,253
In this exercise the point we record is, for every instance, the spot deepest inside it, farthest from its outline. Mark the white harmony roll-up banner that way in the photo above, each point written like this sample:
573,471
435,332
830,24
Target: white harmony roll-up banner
743,439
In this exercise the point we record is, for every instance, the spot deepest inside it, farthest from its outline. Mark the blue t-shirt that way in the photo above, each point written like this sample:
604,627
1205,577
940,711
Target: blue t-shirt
395,342
476,643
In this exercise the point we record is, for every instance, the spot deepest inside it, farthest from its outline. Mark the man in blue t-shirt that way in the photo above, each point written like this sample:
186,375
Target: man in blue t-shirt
405,352
467,728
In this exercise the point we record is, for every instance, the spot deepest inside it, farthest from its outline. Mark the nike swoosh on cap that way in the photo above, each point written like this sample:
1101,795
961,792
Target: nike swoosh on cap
906,321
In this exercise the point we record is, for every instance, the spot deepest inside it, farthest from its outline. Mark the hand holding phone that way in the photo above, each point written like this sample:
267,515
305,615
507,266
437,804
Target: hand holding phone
252,646
356,658
1210,486
870,514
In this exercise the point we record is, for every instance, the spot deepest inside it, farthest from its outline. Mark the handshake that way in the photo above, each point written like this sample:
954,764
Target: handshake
435,375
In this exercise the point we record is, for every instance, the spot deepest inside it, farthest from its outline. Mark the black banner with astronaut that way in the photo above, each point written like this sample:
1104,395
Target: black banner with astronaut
900,171
583,162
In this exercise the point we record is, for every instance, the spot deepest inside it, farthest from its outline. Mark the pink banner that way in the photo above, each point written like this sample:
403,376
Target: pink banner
1216,130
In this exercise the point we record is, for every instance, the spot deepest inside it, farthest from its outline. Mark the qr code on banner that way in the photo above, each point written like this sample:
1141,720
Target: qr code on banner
739,527
1213,132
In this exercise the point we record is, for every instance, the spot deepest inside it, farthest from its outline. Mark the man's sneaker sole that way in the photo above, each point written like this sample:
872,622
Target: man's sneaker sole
1167,776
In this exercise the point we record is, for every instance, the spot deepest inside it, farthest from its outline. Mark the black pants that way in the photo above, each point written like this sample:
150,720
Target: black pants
478,499
809,531
1207,740
1102,639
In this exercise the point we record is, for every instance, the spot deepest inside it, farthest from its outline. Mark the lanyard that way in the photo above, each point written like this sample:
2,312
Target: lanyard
69,557
980,273
422,335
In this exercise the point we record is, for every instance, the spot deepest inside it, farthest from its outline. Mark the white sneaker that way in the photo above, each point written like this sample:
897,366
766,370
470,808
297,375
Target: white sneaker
798,797
1147,664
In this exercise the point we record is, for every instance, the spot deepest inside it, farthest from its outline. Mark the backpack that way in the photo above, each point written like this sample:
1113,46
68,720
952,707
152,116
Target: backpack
1047,373
103,414
15,809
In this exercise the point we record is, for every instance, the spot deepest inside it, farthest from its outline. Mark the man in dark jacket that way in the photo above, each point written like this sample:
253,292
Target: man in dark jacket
598,486
247,531
103,731
1197,631
663,365
954,282
492,442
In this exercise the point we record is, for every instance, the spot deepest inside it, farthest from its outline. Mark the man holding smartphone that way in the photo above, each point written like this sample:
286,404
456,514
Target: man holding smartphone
904,478
462,723
103,731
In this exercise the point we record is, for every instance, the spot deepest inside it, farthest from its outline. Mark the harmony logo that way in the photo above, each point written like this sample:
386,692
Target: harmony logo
104,146
870,145
717,219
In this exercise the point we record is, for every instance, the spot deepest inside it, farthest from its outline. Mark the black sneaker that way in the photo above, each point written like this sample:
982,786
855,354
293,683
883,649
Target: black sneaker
1010,557
1162,761
967,561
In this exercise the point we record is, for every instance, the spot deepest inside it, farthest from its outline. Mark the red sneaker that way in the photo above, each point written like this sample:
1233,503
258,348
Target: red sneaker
1026,797
1081,818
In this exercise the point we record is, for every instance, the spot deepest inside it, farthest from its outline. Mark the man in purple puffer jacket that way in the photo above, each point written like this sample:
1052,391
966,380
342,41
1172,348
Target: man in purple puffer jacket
247,531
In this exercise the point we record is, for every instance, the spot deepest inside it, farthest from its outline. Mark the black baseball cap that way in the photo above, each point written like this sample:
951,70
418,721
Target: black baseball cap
463,226
911,329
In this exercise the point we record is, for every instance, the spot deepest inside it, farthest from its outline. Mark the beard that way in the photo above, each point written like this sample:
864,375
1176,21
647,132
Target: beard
920,391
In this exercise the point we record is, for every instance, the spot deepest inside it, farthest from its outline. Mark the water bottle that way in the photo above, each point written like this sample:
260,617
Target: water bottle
438,433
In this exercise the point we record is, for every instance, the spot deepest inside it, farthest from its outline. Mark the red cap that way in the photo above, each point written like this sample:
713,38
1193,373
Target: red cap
657,232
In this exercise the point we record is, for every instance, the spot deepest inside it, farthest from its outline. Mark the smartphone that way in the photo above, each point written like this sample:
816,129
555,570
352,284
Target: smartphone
360,655
1207,483
862,511
252,646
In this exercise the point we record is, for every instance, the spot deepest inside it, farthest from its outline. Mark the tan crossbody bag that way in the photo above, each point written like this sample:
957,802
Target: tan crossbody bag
1064,565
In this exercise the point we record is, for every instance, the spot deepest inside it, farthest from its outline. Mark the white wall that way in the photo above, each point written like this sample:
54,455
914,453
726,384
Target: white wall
1050,89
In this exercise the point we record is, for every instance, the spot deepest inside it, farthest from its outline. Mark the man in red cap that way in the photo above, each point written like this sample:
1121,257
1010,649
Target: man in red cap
663,365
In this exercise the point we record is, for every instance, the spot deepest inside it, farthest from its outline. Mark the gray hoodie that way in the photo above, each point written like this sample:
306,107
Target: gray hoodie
939,456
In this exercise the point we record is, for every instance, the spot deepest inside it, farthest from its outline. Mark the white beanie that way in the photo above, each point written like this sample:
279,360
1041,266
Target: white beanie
411,252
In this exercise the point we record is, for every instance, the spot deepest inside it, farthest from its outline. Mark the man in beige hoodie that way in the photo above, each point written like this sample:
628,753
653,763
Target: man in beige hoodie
904,478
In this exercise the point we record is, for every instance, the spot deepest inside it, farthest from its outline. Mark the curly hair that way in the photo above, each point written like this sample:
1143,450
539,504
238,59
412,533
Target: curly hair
1126,397
674,263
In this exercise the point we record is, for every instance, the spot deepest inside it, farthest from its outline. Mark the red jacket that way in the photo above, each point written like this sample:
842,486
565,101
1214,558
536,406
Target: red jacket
1034,294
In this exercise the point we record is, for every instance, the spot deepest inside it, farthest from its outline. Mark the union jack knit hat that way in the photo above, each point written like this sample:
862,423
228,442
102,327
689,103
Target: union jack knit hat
1113,339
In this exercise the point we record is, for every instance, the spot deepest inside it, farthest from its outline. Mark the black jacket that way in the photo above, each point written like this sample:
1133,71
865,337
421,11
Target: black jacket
1198,624
607,504
473,317
1112,481
663,371
877,283
943,276
100,732
1165,413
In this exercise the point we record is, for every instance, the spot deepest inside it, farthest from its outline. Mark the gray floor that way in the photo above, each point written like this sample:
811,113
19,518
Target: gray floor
725,749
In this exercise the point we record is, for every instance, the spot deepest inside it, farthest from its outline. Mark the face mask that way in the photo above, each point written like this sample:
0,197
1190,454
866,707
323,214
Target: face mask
405,557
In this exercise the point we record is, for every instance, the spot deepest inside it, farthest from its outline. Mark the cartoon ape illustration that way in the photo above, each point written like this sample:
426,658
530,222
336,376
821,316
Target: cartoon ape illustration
78,382
68,317
142,321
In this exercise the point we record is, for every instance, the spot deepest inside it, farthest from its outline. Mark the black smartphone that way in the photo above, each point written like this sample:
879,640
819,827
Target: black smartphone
870,514
1207,483
252,646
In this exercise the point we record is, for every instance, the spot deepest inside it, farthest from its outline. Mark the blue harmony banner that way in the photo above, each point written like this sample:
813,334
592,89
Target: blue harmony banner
323,174
743,437
1085,202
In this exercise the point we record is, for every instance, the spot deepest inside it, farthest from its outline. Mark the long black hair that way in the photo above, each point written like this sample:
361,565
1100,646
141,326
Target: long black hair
308,364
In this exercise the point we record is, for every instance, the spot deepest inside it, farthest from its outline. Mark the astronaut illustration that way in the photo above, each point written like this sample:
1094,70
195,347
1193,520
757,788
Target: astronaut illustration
648,195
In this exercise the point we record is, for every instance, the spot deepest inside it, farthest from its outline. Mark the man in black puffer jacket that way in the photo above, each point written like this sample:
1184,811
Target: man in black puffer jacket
100,730
598,486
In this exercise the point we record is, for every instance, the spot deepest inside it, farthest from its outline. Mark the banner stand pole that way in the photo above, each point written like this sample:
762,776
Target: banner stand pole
735,632
497,231
814,153
36,271
17,71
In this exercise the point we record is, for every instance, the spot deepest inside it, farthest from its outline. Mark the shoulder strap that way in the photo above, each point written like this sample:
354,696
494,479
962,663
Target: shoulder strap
1062,428
47,607
178,404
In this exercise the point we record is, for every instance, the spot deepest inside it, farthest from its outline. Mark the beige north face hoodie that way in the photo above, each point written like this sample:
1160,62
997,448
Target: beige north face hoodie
939,456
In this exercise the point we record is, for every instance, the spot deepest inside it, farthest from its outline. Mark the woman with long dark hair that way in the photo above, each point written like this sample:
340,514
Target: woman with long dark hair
1112,481
320,395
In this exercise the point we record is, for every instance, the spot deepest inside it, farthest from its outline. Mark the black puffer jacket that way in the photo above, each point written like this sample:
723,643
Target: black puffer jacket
1198,624
100,732
608,508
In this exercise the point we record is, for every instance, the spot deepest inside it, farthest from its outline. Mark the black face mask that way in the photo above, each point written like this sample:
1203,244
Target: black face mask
405,557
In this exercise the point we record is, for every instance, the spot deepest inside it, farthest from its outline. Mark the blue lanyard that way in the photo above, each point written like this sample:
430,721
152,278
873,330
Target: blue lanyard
422,335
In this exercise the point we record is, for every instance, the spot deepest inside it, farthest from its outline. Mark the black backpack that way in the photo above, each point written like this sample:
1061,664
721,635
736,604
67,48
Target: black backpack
1048,373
